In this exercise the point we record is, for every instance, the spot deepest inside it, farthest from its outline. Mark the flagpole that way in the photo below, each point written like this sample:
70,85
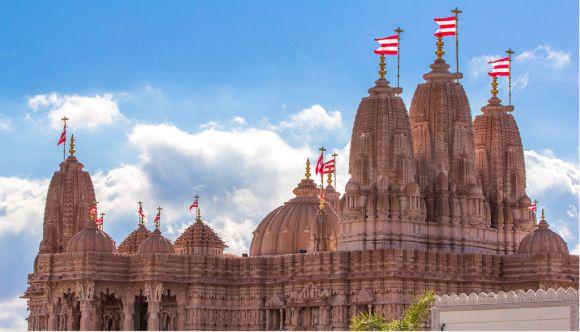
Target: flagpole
456,11
64,120
334,155
322,149
398,30
509,52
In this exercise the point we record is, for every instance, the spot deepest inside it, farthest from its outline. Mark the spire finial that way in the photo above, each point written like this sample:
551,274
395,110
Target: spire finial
543,218
307,174
322,198
329,179
198,215
72,150
439,52
93,212
382,67
157,220
141,215
494,90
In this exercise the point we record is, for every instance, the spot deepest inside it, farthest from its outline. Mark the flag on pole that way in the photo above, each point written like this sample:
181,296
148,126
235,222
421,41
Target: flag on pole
157,217
320,165
500,67
195,204
140,211
62,138
388,45
447,26
101,219
329,167
533,207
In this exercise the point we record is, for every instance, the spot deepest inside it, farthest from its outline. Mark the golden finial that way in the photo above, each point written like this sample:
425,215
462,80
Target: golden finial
158,218
307,174
382,67
72,150
494,90
543,218
141,219
93,211
198,215
439,52
322,198
329,179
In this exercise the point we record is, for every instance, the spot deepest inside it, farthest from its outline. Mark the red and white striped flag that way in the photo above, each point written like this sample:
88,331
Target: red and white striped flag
62,138
195,204
329,166
447,26
157,218
388,45
319,168
140,211
500,67
533,207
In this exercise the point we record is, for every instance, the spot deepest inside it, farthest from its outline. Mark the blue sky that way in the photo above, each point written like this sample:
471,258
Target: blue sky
158,91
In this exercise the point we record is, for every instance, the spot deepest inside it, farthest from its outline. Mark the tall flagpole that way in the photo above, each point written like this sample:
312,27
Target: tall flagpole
509,52
322,149
398,30
456,11
64,120
334,155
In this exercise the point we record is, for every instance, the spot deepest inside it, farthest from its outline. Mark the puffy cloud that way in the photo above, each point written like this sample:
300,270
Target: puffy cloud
479,65
5,123
240,121
545,171
545,54
520,82
576,249
572,211
83,111
241,174
22,204
210,125
313,118
13,314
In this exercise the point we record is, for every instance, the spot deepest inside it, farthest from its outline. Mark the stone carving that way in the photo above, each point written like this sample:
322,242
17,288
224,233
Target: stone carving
153,292
85,290
518,296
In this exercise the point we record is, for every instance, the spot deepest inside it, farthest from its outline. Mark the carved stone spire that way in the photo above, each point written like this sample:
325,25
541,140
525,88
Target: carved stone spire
70,195
500,162
443,148
382,170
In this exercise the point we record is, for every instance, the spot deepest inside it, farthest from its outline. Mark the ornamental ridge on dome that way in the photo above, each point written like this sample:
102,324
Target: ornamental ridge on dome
91,238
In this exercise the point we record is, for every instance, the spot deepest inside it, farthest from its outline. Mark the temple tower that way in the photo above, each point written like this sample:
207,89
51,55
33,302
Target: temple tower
444,151
381,194
500,162
70,195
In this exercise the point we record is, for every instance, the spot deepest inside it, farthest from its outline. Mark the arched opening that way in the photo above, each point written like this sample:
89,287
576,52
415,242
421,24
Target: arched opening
140,313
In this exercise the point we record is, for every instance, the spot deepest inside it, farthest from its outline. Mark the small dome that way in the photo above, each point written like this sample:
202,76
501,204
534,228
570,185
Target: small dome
91,239
199,239
543,240
156,244
131,244
287,229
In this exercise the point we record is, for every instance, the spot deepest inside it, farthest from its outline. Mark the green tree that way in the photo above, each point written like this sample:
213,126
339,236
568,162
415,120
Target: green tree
412,319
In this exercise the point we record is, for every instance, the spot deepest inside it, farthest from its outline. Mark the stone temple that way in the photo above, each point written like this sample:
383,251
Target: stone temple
435,200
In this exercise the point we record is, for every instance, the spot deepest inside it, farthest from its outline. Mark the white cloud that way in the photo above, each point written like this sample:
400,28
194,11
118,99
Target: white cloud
576,249
210,125
5,123
13,315
545,171
545,54
83,111
313,118
479,65
520,82
22,204
240,121
564,230
572,211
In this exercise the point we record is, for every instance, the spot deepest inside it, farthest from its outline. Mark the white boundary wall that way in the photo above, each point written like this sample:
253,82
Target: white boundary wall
540,310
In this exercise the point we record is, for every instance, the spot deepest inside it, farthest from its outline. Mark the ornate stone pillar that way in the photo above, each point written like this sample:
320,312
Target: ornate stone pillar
128,310
181,308
52,324
153,294
85,294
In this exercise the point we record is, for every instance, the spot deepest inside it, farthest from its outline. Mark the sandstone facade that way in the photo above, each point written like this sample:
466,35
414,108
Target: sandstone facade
429,204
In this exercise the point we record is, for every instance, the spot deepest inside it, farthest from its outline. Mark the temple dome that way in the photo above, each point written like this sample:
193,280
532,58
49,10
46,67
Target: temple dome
199,239
156,244
287,229
91,239
131,243
543,240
